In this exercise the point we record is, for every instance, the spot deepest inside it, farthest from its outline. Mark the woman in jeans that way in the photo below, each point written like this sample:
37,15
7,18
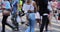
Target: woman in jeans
6,12
29,8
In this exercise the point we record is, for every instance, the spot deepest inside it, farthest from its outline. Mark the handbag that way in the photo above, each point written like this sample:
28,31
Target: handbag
4,8
7,13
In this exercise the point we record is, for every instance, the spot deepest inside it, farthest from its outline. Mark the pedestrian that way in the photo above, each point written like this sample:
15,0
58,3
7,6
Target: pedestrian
29,8
44,12
15,5
50,2
6,9
20,12
50,8
54,6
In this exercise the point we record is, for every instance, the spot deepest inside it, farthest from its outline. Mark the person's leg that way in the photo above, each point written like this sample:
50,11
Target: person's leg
39,21
43,23
32,22
32,25
28,29
14,19
47,22
21,17
42,26
3,23
9,25
15,23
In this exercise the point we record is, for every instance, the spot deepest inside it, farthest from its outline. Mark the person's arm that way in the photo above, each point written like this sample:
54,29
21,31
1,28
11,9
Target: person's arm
17,3
24,8
52,5
35,6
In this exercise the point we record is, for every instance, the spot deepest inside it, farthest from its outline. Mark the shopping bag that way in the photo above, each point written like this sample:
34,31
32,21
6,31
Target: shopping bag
24,18
18,19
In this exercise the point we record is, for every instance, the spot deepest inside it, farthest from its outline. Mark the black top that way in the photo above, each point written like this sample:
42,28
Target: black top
43,6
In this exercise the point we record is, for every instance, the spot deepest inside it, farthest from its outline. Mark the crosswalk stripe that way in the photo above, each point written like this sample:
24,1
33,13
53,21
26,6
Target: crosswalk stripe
56,29
55,24
35,28
52,27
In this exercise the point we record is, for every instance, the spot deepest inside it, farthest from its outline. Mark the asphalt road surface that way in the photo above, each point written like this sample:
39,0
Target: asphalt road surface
54,27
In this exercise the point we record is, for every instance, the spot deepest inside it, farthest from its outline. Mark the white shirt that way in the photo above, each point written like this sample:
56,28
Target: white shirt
27,7
49,5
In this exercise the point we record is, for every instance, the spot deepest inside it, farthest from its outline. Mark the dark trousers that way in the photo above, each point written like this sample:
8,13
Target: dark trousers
45,22
4,22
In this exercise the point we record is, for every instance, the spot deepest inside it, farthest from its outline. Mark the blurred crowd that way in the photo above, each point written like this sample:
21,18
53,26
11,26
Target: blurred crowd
35,11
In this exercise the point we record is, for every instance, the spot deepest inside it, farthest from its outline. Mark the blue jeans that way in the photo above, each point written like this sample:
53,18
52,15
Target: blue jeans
14,10
32,22
14,18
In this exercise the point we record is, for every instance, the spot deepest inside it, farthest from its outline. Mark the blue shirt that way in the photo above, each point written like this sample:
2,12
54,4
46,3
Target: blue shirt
6,4
15,2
